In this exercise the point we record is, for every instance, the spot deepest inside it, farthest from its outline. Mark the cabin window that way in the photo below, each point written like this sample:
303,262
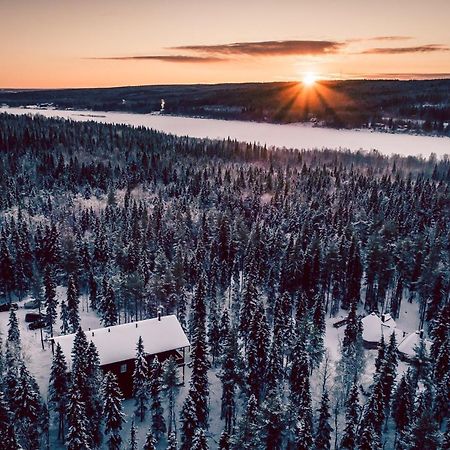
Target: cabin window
123,368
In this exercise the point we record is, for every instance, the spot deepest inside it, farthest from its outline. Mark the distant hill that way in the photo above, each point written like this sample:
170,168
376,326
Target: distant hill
422,105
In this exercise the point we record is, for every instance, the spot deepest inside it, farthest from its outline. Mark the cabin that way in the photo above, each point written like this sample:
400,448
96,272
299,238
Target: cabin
406,348
375,326
162,336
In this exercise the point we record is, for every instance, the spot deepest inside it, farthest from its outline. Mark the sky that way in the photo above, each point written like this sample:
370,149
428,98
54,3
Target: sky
96,43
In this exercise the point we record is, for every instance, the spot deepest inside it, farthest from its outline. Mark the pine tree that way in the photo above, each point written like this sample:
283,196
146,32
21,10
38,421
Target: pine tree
73,316
224,441
13,331
9,440
6,269
189,422
132,443
112,411
351,419
158,422
170,383
244,438
150,441
271,421
77,436
172,443
50,299
109,308
199,441
199,359
323,434
369,439
140,381
64,316
27,409
58,386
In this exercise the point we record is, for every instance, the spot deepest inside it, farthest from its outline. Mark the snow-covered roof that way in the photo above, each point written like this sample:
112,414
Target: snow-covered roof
118,342
408,344
374,327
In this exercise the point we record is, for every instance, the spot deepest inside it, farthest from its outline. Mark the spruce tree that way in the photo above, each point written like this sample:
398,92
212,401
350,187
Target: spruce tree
109,308
50,299
170,383
158,422
244,438
224,441
77,436
112,411
132,443
58,386
73,316
189,422
351,419
150,441
172,443
140,381
323,434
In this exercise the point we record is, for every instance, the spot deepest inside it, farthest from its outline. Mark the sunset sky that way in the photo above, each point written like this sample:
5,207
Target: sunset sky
68,43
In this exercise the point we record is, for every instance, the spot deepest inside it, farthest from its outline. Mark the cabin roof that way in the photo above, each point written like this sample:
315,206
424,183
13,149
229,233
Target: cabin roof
374,327
118,343
410,342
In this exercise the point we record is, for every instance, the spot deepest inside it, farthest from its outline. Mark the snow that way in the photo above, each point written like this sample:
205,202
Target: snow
410,342
118,343
302,136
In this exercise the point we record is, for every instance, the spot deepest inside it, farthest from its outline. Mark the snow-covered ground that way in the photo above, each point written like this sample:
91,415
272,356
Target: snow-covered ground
301,136
39,363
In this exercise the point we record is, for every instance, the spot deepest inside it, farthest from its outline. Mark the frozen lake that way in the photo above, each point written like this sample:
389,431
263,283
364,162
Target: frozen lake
289,135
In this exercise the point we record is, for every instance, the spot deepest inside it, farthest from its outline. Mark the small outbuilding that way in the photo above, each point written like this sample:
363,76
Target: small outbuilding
375,326
406,348
116,345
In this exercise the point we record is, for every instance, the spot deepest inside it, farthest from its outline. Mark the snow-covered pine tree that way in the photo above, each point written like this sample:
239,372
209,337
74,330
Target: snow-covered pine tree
50,299
140,381
77,437
245,438
6,427
27,409
13,330
224,441
109,308
322,439
199,358
158,422
150,441
214,331
172,443
58,386
348,441
271,421
112,411
73,316
199,441
93,400
228,376
170,383
189,422
133,443
64,316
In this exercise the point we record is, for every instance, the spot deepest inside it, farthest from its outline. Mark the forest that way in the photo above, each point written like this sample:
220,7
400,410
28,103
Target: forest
256,250
418,106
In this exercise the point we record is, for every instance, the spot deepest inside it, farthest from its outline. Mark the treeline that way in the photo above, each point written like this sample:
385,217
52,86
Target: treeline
252,248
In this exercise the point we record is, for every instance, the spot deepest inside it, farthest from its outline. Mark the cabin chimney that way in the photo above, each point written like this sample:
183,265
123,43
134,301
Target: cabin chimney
159,313
92,334
109,331
383,318
136,324
421,334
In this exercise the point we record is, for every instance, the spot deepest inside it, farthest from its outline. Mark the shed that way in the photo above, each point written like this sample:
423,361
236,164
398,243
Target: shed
375,326
116,345
406,348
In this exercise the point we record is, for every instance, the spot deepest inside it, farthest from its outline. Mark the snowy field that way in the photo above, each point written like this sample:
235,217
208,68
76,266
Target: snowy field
39,362
301,136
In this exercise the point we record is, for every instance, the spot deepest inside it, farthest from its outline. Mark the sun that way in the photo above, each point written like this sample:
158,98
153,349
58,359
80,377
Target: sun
309,79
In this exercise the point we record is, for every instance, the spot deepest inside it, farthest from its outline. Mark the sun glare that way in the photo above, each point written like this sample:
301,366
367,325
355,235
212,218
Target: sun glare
309,79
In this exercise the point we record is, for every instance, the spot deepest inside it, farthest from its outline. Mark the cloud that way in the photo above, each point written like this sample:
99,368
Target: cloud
380,38
266,48
399,76
400,50
165,58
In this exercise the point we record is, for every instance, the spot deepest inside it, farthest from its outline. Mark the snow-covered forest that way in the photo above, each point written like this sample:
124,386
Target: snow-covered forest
259,252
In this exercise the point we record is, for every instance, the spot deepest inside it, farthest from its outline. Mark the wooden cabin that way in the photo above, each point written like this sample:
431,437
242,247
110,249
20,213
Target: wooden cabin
163,337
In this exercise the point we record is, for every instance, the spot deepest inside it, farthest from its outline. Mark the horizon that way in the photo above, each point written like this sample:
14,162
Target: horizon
58,45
